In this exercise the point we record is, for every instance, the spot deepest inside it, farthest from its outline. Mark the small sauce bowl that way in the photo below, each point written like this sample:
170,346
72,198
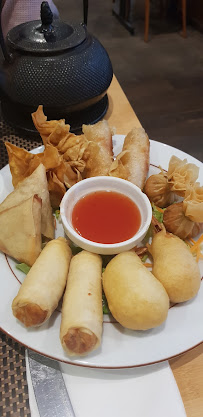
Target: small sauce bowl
91,185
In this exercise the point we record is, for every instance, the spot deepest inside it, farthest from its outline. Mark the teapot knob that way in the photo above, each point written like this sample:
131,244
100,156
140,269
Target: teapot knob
47,18
46,14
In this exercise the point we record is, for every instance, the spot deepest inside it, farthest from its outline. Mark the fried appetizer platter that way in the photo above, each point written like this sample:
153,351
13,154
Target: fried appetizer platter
82,315
136,299
20,227
44,284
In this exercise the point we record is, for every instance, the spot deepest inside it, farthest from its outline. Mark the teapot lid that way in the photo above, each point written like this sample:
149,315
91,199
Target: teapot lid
46,35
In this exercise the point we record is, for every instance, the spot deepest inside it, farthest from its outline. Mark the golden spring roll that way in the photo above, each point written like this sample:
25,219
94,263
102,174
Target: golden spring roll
132,163
82,315
44,284
98,155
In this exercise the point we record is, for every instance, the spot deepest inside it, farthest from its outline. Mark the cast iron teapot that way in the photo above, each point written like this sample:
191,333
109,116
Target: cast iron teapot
56,64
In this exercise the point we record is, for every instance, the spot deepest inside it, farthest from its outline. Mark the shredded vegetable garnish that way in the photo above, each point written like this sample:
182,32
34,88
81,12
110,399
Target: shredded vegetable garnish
144,258
159,209
195,247
148,265
23,267
157,213
57,214
105,304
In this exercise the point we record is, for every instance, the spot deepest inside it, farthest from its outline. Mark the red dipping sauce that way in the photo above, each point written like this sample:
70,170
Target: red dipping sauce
106,217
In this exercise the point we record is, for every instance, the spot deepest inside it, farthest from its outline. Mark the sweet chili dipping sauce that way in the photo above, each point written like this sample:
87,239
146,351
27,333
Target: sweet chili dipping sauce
106,217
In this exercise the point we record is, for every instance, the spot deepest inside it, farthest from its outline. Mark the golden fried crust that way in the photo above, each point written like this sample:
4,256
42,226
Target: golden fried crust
79,342
30,314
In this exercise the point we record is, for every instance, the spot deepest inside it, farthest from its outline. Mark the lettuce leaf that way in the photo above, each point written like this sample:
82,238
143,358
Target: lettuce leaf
23,267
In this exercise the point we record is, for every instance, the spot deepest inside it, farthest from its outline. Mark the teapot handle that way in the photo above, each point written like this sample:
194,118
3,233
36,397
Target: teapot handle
85,11
7,56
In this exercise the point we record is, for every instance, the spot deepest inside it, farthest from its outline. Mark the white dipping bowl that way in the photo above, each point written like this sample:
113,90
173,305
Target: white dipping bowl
90,185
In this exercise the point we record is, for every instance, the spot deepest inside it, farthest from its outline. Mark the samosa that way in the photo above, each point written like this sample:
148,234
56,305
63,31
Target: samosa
20,228
36,183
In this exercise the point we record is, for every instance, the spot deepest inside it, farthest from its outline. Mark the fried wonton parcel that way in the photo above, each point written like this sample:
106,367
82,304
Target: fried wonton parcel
193,203
36,183
19,162
50,158
176,222
117,168
158,190
44,284
22,163
98,155
135,161
20,228
73,147
57,134
56,189
51,131
181,175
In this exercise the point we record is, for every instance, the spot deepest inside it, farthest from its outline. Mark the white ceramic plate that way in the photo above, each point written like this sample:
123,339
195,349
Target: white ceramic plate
121,348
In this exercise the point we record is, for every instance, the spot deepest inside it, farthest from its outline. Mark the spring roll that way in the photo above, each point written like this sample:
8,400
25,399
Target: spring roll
82,316
98,155
132,163
44,284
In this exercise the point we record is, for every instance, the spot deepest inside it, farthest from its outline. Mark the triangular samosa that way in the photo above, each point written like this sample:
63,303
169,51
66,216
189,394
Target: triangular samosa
36,183
20,230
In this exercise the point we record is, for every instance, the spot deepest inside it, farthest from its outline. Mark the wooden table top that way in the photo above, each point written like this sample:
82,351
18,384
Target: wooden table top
187,368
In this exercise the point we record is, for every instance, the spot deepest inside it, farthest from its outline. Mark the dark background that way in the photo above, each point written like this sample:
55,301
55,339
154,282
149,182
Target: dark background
163,79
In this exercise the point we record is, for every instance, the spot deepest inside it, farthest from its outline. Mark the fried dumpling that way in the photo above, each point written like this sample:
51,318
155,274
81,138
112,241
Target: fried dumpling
136,299
174,266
